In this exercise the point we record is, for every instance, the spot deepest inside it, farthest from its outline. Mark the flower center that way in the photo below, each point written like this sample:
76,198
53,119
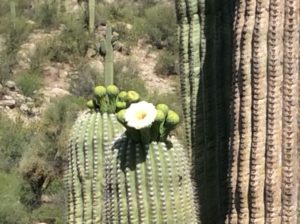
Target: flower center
140,115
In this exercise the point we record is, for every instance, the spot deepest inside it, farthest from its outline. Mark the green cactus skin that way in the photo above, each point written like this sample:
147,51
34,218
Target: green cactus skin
13,12
91,6
122,181
264,166
90,141
148,184
205,67
108,64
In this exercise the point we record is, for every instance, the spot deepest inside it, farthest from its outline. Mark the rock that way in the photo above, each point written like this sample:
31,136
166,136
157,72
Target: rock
8,103
7,97
51,71
96,66
10,85
91,52
1,88
24,108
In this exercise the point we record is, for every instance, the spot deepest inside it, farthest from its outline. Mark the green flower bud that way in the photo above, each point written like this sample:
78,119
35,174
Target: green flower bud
121,105
100,91
172,118
133,96
121,116
160,116
163,107
112,90
90,104
122,96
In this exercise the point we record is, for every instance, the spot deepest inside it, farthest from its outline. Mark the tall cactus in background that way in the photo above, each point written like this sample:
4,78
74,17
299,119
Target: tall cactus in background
13,13
263,161
106,49
91,6
205,64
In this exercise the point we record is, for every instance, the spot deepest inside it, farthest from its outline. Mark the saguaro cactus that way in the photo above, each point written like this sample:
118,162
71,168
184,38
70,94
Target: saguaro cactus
205,62
139,177
91,6
263,151
107,49
263,160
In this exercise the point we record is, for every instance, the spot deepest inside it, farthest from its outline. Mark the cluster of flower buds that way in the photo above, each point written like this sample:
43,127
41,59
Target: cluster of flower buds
110,100
146,123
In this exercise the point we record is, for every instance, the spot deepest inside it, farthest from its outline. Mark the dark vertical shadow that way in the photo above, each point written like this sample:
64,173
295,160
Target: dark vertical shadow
210,142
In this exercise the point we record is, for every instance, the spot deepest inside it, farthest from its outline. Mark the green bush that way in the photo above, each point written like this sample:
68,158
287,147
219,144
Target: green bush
14,139
126,77
160,26
83,82
43,163
11,210
71,43
166,63
29,82
47,14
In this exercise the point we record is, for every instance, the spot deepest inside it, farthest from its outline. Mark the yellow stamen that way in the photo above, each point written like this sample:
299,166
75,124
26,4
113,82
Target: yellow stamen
140,115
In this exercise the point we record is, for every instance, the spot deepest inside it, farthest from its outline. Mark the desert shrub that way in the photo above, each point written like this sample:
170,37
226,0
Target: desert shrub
14,138
16,32
29,82
45,158
6,63
11,211
86,78
47,14
71,43
166,63
160,25
126,77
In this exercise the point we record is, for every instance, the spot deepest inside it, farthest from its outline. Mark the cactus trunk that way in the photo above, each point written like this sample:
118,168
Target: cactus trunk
263,150
205,62
91,13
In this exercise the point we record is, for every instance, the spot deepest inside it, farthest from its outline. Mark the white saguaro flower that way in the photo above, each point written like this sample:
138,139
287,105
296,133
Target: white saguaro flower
140,115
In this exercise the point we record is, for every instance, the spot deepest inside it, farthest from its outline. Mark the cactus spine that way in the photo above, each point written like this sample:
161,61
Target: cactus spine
91,6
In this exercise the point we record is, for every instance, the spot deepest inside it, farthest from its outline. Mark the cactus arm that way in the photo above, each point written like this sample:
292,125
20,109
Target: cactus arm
290,108
108,64
91,6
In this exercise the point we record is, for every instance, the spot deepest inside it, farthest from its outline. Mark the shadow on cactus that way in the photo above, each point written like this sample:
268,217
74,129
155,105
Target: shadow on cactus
123,167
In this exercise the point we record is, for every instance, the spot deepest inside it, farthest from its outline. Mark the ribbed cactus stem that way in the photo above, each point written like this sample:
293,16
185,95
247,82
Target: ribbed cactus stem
13,12
89,144
264,137
91,6
153,184
108,63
